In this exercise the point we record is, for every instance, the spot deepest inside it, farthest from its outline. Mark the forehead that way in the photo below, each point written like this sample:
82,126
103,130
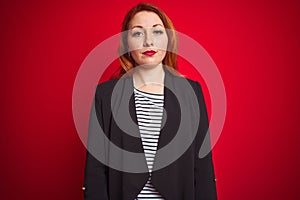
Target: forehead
145,19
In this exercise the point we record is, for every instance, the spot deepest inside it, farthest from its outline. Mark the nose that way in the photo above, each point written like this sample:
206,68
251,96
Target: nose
148,40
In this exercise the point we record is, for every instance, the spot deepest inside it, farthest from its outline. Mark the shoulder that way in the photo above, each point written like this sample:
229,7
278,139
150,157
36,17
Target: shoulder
195,84
106,87
178,77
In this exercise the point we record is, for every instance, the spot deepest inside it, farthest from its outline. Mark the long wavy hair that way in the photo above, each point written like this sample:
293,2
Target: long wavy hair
170,59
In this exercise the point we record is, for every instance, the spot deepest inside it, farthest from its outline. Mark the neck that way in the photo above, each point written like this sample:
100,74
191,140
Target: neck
148,75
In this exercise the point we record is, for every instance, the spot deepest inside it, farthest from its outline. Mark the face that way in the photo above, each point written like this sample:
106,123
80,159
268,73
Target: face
147,38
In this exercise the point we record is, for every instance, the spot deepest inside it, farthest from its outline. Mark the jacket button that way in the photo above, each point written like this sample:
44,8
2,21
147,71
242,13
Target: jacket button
83,188
215,180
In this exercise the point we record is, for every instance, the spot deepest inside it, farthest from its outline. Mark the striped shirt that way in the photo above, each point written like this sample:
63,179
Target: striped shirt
149,111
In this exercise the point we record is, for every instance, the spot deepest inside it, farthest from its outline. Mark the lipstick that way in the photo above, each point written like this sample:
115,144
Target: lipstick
149,52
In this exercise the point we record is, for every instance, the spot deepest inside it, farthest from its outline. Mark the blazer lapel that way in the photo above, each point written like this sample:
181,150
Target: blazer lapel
170,120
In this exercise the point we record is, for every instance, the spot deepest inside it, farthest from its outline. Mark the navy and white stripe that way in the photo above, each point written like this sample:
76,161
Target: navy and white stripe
149,111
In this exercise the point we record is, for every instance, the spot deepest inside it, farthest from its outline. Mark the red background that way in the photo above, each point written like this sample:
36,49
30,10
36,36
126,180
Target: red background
255,45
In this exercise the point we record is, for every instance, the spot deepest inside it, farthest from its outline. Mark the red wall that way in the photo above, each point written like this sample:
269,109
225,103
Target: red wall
255,45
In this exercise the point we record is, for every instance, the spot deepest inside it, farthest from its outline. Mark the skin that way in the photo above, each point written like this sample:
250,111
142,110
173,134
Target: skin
147,32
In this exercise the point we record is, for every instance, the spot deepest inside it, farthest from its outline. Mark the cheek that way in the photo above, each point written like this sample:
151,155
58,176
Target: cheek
162,55
135,55
161,43
134,44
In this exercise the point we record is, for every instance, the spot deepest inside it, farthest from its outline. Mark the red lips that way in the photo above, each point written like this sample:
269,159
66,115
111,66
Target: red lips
149,53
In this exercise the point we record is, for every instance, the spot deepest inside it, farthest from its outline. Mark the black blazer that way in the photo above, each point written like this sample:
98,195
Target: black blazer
187,178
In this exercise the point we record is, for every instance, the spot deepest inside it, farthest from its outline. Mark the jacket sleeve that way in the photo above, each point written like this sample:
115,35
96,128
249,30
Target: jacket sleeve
205,188
95,174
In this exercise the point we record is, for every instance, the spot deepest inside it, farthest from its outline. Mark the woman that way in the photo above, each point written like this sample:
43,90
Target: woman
170,127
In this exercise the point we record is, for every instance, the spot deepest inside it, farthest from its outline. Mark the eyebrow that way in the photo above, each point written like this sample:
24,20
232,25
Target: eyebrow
139,26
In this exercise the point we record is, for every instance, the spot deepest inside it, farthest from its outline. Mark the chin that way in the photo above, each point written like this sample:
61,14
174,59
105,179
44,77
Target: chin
149,64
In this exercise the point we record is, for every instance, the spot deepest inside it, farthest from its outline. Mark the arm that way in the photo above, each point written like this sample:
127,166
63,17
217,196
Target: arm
205,187
95,174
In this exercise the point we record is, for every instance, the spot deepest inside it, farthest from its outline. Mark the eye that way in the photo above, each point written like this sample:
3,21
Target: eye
158,32
137,34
